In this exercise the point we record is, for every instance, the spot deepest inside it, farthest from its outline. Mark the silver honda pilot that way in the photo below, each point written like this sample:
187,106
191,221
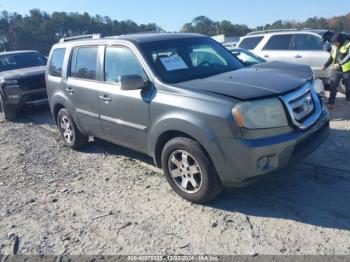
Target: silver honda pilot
189,103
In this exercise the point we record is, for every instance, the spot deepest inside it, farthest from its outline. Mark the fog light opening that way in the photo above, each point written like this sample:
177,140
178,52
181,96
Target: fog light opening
264,163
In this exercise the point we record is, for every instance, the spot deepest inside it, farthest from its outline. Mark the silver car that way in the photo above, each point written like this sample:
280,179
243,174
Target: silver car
186,101
295,46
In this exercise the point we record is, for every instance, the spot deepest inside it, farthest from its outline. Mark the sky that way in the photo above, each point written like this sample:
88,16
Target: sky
171,15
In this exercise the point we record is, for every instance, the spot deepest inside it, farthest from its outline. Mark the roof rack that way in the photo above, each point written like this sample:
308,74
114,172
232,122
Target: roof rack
272,31
138,33
80,37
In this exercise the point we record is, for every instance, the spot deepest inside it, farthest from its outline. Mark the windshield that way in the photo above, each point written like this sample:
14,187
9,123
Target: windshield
21,60
186,59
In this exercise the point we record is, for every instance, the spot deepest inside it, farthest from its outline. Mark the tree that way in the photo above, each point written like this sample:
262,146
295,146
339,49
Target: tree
39,30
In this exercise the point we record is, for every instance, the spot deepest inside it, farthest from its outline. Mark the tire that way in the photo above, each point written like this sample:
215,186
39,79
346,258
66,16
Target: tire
71,135
9,115
341,87
189,171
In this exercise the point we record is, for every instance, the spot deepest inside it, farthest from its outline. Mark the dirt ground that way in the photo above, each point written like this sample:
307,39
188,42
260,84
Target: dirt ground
109,200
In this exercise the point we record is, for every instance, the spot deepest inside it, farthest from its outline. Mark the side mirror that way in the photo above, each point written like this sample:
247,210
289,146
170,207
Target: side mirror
131,82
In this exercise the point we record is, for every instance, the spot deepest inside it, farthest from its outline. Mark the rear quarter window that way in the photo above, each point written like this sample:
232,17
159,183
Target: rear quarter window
56,63
250,42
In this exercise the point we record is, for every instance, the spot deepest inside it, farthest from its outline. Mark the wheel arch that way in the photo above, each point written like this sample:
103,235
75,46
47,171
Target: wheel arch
170,128
56,103
57,107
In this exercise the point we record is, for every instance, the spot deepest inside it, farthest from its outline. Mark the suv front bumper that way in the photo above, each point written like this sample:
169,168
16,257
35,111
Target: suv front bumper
15,97
239,161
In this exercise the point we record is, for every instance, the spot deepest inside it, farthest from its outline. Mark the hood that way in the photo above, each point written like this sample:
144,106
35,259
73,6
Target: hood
262,80
23,73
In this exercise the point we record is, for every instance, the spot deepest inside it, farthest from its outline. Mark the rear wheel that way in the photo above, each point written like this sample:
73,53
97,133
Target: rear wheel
8,114
342,88
71,135
189,171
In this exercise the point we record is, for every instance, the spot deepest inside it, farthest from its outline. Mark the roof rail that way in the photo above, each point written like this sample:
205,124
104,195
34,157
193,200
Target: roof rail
80,37
272,31
131,34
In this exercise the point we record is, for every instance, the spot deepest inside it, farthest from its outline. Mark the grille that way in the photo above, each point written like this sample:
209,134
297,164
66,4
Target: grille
32,83
304,106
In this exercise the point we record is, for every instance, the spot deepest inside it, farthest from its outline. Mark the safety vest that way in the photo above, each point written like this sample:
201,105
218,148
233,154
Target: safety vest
344,50
334,54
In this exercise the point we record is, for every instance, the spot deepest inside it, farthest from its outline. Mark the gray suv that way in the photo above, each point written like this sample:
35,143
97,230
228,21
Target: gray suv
189,103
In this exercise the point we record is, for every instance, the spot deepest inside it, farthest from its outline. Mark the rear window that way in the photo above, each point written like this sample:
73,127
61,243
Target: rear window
250,42
84,62
56,63
279,42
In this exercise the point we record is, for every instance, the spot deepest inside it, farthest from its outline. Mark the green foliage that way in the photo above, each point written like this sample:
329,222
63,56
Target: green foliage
39,30
205,25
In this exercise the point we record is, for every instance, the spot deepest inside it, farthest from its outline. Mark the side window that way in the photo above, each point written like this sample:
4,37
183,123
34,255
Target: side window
121,61
56,63
307,43
84,62
279,42
250,42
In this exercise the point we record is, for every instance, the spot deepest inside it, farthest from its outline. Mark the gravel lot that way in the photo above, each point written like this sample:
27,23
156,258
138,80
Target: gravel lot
109,200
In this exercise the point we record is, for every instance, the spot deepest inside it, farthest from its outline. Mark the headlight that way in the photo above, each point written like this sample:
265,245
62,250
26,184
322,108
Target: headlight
9,83
265,113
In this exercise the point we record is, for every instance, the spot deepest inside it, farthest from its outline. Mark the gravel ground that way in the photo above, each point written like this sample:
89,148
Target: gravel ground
109,200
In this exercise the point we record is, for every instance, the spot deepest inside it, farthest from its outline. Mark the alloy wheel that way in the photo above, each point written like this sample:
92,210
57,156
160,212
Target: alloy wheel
185,171
66,129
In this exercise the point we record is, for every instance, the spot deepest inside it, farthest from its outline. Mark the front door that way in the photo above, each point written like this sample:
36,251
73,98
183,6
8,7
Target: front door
277,48
124,113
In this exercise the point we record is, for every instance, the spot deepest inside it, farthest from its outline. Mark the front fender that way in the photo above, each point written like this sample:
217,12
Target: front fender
192,127
186,124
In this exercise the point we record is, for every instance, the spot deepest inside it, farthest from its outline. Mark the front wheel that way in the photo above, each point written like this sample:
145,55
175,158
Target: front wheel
9,115
71,135
189,171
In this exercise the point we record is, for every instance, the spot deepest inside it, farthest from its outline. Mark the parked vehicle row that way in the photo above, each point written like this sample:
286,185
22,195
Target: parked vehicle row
185,100
208,116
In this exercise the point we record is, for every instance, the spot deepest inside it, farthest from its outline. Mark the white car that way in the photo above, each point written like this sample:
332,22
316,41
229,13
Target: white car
296,46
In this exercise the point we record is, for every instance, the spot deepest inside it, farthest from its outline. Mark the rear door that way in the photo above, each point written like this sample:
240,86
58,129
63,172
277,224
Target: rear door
308,49
277,48
124,113
82,89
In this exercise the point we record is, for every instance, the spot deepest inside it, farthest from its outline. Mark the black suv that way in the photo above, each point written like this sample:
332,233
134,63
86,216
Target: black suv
22,81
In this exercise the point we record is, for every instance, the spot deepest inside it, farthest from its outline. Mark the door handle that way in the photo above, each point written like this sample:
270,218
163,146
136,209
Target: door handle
70,90
298,56
106,98
266,56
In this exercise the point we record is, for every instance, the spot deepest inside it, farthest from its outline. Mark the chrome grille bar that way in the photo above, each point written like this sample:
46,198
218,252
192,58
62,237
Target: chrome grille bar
304,106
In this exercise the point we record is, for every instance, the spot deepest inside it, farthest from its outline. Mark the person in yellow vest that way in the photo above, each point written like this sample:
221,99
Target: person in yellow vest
340,63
